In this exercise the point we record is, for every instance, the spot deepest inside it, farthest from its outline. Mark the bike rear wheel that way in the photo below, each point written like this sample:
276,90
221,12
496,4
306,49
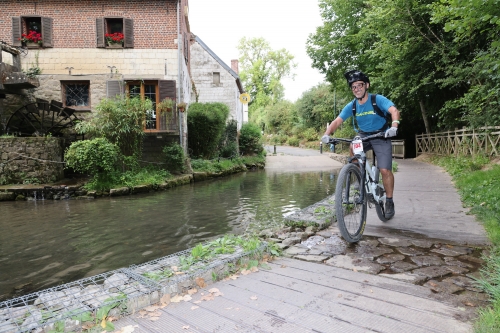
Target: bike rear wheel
349,209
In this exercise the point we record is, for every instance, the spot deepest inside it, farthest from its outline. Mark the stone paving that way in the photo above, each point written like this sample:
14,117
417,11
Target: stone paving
442,266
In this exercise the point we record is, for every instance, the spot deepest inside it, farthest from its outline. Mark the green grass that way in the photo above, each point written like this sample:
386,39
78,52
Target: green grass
143,176
222,165
479,189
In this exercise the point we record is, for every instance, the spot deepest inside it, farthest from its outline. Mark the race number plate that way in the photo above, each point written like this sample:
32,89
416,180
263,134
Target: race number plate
357,147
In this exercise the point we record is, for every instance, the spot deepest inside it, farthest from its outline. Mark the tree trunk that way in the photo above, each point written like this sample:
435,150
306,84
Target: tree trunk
424,116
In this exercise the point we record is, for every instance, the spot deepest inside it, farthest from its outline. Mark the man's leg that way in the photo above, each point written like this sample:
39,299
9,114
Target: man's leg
388,180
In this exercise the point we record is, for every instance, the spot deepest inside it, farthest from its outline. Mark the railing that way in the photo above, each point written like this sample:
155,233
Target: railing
480,141
162,122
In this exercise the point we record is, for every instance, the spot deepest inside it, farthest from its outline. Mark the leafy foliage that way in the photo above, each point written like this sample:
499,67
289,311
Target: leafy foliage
97,156
174,157
120,121
262,70
206,125
250,137
228,145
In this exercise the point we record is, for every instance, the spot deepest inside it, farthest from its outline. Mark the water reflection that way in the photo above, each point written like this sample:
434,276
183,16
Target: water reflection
45,243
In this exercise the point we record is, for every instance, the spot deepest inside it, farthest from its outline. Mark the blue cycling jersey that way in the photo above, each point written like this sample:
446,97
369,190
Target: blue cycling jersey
368,120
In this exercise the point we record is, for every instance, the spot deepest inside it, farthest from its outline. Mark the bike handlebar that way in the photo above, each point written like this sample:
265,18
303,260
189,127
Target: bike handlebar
335,141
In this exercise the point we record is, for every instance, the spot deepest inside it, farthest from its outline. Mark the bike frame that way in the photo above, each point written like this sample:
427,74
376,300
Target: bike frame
368,177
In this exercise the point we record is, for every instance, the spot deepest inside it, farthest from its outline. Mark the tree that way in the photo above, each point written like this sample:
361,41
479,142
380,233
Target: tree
262,70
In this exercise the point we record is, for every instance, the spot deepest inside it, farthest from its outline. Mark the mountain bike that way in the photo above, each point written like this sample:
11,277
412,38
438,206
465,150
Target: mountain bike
351,199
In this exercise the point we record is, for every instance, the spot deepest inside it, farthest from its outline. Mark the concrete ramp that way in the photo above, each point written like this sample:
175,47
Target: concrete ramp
298,296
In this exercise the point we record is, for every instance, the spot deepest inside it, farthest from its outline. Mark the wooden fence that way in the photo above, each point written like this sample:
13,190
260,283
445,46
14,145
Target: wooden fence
481,141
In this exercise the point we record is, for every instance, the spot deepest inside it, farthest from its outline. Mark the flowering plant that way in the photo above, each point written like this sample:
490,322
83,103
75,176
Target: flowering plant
31,36
116,38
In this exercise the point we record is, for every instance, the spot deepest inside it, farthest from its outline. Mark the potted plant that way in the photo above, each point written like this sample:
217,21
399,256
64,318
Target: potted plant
32,38
114,40
166,105
181,106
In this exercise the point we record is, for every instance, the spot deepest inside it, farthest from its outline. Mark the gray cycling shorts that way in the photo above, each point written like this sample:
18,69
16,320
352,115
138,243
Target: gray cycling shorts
383,151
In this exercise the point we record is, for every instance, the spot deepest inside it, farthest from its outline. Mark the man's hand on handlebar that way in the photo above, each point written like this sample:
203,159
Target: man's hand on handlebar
325,139
393,131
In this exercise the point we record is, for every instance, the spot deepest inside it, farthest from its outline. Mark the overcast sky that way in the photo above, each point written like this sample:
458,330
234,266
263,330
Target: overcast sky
283,23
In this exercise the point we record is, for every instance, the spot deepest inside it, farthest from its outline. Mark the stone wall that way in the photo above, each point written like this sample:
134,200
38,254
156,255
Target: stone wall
203,67
31,160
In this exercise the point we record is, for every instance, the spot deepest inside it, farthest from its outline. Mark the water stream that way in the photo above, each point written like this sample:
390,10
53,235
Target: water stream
45,243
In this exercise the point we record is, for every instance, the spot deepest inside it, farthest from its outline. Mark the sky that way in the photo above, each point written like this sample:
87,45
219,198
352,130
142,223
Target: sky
220,24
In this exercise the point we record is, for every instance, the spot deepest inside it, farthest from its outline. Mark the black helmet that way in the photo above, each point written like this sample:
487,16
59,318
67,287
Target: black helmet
355,75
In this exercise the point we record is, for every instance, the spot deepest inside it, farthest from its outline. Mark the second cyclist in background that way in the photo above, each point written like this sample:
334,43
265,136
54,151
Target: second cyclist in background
371,113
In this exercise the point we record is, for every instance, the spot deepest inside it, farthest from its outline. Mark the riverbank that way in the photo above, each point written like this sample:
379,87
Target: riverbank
74,188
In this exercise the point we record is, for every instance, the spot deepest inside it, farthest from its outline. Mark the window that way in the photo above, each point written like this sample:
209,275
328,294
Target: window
37,24
122,28
149,90
156,91
76,94
216,78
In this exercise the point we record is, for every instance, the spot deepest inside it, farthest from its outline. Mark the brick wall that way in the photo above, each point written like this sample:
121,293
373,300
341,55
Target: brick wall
74,22
23,159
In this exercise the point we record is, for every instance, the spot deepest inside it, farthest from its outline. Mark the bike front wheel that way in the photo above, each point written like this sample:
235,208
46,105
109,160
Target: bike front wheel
350,210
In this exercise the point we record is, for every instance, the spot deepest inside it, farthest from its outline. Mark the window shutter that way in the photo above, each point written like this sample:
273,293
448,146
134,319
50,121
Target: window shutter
114,88
99,31
167,89
16,31
128,31
47,31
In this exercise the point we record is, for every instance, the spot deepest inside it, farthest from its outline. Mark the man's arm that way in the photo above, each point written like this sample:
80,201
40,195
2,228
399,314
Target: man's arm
395,115
334,125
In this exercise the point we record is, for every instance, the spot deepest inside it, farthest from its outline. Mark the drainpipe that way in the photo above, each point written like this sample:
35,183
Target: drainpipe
179,71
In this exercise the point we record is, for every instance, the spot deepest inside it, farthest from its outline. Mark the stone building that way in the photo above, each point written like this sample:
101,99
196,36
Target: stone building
215,81
91,49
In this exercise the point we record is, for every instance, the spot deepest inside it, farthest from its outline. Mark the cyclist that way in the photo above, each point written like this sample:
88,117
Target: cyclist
370,122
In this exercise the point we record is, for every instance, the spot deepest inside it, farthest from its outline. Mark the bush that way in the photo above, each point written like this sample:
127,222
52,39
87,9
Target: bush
174,157
120,121
228,146
97,157
250,137
206,125
293,141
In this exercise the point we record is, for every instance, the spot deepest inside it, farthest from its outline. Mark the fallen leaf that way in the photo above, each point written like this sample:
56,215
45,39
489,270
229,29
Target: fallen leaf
228,308
192,291
185,327
176,299
155,314
151,308
154,318
354,269
254,269
179,273
112,318
253,297
209,297
165,300
175,268
283,266
197,302
470,304
194,307
217,294
200,282
213,290
234,277
143,313
245,272
187,298
371,290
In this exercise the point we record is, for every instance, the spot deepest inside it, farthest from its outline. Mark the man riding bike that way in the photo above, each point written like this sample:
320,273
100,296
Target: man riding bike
371,119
